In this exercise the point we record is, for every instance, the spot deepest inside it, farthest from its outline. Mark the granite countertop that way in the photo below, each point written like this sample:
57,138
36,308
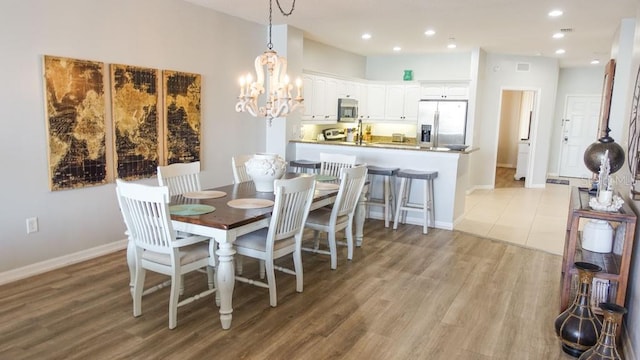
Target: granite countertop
407,145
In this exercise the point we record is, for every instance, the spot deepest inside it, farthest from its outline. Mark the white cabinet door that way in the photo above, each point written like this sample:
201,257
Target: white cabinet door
402,102
444,90
394,102
411,98
375,102
321,99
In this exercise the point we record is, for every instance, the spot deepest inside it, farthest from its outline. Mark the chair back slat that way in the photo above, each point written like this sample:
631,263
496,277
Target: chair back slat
351,183
146,214
239,168
180,177
291,207
331,164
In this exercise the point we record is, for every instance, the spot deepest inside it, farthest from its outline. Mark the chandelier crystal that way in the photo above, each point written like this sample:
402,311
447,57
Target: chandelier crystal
278,101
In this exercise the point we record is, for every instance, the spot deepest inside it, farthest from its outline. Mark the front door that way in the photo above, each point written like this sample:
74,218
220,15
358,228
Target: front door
579,130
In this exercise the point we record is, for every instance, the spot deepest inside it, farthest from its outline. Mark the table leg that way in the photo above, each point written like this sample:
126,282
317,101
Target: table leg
360,214
225,275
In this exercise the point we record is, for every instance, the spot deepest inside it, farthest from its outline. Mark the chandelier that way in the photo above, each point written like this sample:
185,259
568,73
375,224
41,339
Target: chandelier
278,102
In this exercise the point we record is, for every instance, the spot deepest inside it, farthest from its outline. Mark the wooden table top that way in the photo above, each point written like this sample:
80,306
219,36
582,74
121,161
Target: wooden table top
226,217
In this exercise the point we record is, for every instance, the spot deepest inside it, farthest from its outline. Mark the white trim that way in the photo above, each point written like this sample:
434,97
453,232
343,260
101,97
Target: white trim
56,263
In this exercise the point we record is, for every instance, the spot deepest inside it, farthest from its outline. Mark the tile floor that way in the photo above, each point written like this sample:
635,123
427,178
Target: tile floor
533,218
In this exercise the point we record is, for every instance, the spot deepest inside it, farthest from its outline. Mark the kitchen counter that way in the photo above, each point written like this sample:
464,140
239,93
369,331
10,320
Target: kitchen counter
386,145
450,186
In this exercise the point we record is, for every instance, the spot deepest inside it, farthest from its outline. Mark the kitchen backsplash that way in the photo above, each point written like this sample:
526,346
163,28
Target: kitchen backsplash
379,131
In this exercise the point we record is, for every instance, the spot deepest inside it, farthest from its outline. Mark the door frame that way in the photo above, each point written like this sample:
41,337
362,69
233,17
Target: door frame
533,136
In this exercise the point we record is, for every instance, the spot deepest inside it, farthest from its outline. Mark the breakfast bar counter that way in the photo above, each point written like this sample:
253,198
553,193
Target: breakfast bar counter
452,167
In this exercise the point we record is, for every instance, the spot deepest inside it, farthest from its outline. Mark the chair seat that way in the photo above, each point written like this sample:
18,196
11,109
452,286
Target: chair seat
188,254
256,240
307,164
322,217
416,174
378,170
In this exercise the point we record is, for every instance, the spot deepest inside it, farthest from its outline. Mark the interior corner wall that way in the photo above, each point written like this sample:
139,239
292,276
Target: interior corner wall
163,34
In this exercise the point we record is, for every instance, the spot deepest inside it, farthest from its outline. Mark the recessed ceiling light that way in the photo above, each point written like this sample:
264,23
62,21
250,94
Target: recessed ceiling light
366,36
451,46
595,62
555,13
560,51
558,35
397,48
430,32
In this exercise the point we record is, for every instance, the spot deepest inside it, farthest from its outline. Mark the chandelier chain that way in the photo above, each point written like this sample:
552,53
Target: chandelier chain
284,13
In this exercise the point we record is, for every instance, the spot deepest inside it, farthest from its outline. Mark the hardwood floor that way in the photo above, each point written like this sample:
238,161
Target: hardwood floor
505,178
445,295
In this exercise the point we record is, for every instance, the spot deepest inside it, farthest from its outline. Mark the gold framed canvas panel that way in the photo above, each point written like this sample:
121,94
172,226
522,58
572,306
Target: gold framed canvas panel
182,112
75,121
134,108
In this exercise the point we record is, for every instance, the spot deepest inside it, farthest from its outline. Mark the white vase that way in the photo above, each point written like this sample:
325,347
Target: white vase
264,169
597,236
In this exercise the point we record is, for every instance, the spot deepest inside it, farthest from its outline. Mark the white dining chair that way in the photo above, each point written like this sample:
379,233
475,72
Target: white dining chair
180,177
340,216
331,164
156,248
293,197
239,170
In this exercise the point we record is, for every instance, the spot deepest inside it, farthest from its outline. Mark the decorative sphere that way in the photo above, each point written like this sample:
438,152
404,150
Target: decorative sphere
595,152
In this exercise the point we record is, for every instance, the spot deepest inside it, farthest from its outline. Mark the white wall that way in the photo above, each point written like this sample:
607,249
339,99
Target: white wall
626,51
330,60
500,74
572,81
163,34
454,66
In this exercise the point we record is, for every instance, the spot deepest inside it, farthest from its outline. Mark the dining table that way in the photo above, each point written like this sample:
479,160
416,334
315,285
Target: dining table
233,216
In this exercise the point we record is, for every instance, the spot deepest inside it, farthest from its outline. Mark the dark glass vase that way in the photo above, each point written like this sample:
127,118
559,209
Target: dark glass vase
606,346
577,326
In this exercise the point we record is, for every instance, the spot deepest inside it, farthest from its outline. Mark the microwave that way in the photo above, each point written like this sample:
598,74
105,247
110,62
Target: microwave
347,110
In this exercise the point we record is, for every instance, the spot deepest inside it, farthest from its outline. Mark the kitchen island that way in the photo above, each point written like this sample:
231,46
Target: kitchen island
449,187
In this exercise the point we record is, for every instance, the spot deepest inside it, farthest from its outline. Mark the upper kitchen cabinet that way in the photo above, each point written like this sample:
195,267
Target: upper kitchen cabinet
401,102
321,99
444,90
348,89
375,103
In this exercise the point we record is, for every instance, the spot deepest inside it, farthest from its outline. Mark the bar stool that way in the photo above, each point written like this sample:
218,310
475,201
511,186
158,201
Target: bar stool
426,207
388,189
305,166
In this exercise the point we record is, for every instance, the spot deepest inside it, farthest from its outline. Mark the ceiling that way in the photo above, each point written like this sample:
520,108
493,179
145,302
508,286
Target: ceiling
517,27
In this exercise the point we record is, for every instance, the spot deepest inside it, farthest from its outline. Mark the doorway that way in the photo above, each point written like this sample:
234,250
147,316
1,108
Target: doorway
579,129
514,138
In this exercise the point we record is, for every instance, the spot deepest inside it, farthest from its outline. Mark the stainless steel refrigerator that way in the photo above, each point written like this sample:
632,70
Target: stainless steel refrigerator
442,122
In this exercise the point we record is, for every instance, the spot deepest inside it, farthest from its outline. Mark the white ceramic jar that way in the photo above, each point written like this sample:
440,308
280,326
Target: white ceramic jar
264,169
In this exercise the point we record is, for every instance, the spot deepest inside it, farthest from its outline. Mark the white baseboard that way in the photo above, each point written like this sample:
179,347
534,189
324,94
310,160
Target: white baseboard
56,263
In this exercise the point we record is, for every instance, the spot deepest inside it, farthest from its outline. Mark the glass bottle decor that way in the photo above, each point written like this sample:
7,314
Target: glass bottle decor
605,348
577,326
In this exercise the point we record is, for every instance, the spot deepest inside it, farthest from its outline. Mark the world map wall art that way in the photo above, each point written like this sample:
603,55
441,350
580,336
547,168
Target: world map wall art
142,136
75,113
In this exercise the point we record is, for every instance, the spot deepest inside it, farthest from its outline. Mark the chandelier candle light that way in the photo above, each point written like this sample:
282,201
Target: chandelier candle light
279,102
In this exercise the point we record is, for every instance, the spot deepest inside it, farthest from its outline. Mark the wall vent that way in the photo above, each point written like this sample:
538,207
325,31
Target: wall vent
523,67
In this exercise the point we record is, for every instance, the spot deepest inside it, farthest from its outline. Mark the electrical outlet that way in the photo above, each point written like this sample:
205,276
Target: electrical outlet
32,225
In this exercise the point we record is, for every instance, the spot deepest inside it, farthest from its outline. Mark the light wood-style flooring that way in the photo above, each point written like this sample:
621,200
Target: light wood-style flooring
445,295
505,178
